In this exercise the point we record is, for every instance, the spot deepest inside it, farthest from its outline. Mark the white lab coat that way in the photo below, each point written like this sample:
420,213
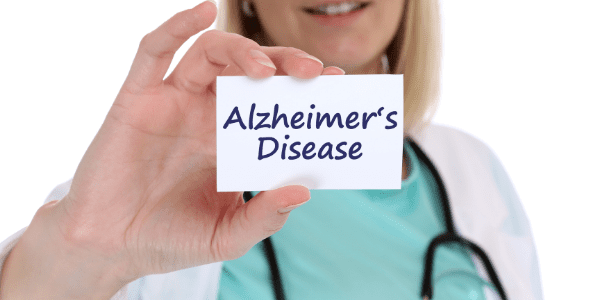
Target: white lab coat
484,204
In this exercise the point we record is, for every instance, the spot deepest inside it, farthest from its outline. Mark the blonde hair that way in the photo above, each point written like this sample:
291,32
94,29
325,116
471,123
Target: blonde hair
415,52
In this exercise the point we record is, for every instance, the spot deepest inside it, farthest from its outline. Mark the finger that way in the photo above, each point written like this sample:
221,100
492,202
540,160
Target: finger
265,214
290,59
157,48
211,53
294,62
333,71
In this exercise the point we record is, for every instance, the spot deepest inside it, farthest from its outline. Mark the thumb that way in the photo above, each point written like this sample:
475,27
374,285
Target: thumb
266,214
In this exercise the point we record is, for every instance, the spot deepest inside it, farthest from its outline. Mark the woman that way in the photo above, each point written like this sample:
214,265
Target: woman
143,200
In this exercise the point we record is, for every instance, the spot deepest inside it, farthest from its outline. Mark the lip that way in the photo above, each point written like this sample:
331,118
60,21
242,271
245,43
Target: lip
337,20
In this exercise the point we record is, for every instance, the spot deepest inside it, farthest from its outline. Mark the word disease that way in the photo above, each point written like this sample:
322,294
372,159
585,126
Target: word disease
269,146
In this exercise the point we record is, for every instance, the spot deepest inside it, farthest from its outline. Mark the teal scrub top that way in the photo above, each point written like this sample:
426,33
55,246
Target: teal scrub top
358,244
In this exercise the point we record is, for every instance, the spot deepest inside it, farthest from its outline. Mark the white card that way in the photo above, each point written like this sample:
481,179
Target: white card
336,152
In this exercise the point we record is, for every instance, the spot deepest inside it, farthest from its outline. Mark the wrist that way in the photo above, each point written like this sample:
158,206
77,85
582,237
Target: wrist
46,264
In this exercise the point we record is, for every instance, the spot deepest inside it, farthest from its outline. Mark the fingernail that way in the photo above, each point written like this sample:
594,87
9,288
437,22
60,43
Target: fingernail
213,1
290,208
304,55
262,58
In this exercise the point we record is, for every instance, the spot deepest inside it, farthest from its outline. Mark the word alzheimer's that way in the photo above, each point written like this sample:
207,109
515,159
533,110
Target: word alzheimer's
298,121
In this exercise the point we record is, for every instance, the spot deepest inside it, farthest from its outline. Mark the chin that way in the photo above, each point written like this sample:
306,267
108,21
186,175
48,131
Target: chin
348,61
344,52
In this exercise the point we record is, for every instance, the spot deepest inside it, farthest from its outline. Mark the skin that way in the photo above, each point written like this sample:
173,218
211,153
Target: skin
357,48
143,199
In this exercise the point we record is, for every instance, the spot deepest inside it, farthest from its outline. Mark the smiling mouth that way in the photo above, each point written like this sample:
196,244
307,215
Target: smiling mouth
334,9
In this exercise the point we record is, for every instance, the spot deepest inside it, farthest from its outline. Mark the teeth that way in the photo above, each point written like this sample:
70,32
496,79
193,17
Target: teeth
338,9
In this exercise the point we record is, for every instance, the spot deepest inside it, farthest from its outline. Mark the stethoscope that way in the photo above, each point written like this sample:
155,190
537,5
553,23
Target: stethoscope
450,236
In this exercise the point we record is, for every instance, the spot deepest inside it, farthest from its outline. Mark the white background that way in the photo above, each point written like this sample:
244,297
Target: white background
521,75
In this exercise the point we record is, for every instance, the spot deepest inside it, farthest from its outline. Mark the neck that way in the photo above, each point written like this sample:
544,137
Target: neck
372,67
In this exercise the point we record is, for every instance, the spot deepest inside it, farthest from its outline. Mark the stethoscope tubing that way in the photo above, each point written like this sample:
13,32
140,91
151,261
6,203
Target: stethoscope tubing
449,236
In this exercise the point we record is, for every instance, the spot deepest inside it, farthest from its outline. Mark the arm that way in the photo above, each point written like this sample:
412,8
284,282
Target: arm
7,245
19,279
42,266
517,228
143,199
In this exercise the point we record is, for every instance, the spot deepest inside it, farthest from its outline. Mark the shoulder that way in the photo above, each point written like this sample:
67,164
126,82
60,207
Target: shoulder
448,138
485,204
471,171
454,149
467,155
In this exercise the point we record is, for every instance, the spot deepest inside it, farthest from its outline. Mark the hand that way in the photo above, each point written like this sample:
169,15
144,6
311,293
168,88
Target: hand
146,187
143,199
